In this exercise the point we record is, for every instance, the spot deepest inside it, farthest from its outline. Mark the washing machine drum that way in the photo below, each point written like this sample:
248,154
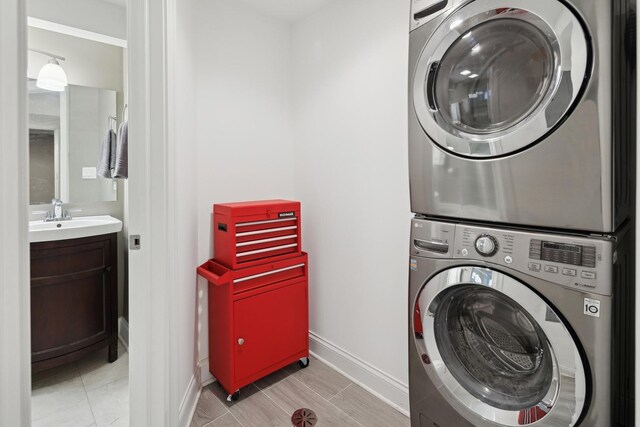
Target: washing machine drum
498,75
500,351
494,348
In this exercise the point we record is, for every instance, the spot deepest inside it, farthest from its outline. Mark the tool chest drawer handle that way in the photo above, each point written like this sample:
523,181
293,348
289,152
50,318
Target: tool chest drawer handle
269,221
240,341
271,249
255,276
268,230
273,239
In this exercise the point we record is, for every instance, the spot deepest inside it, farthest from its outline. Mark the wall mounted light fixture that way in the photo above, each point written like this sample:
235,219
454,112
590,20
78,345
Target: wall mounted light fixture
51,76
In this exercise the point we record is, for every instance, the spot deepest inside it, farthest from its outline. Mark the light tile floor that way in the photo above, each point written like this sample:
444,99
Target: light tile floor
88,393
272,401
94,393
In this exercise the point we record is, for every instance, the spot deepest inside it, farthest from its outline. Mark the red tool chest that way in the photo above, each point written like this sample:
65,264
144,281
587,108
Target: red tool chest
258,319
252,233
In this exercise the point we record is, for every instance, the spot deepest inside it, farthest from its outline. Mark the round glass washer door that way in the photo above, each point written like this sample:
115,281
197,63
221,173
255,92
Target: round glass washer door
496,76
499,350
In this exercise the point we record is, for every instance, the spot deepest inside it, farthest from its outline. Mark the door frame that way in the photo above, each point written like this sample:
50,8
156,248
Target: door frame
151,187
15,324
153,328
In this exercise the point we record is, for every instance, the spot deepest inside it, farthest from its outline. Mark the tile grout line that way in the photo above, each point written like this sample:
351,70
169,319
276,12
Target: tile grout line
274,402
332,397
234,417
327,400
86,394
216,418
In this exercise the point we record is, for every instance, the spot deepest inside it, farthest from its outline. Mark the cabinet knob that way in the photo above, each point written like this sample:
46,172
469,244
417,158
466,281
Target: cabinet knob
240,341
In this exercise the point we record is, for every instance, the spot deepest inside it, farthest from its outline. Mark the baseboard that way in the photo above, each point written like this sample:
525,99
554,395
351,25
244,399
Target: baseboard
205,376
189,401
123,332
382,385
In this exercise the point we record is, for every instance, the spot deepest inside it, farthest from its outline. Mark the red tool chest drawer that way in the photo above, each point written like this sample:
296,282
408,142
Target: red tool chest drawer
252,233
258,319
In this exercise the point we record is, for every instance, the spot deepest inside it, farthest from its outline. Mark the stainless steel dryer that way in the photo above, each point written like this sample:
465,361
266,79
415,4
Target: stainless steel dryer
522,111
515,328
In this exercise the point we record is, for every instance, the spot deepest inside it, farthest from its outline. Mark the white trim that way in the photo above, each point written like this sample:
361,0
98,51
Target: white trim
189,401
76,32
15,333
382,385
123,332
206,377
152,327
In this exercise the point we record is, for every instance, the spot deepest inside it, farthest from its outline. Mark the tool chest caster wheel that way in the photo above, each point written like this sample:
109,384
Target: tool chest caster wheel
304,362
233,397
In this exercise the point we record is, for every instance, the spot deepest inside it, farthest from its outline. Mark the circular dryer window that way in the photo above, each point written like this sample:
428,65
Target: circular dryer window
496,76
497,351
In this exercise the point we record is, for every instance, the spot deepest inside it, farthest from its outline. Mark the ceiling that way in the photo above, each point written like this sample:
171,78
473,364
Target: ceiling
286,10
122,3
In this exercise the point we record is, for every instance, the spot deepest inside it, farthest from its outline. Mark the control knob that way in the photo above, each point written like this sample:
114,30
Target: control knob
486,245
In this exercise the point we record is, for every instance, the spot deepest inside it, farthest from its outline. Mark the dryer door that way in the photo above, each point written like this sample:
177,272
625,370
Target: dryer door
498,75
497,350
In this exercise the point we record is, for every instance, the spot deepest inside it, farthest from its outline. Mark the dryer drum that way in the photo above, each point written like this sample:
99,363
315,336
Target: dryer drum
493,347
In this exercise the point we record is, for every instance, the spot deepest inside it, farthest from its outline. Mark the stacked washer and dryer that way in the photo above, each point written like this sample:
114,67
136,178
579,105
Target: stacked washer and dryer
522,170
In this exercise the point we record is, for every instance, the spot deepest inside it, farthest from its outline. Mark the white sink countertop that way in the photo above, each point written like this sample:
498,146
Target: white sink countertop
84,226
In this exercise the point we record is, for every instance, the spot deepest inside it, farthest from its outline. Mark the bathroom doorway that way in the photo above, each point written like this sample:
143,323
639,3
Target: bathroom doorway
78,176
151,330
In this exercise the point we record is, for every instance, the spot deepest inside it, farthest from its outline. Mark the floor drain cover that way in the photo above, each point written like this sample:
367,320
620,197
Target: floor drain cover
304,418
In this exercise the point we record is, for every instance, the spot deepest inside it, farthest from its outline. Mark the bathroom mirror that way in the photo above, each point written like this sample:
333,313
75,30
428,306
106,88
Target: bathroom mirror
66,130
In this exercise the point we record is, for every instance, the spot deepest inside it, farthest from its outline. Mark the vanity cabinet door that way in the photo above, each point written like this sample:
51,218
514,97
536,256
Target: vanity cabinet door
73,296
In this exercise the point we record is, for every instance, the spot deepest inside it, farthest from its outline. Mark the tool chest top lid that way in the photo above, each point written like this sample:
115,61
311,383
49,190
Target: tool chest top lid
256,208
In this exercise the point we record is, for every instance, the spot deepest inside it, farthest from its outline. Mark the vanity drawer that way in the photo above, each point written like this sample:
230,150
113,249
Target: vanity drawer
52,259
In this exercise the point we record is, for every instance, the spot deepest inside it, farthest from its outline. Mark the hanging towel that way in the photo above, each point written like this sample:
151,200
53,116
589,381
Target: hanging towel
107,159
122,152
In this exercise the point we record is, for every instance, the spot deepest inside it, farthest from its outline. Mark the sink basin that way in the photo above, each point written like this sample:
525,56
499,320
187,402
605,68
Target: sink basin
86,226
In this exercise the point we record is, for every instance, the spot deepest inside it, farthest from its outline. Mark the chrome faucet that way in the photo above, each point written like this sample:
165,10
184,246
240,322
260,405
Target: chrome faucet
57,212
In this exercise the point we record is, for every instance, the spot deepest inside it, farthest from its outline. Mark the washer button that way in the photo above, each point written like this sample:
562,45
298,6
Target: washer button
508,259
534,266
588,275
550,268
464,252
569,272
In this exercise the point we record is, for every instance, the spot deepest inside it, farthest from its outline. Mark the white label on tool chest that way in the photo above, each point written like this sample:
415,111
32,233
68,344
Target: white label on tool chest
287,215
591,307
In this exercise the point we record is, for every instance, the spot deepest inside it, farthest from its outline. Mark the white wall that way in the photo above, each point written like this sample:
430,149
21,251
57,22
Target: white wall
90,15
350,106
186,238
244,129
317,111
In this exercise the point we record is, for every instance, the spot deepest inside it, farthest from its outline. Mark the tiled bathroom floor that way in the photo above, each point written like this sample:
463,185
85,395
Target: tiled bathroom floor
90,392
272,400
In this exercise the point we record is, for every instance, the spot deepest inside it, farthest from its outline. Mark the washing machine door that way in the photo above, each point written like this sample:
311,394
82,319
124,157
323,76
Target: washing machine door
498,75
497,351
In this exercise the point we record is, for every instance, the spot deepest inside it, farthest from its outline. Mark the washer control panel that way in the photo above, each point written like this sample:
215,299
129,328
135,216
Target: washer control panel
486,245
577,262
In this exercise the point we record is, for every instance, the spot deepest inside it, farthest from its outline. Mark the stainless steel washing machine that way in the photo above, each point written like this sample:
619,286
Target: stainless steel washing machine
523,111
515,328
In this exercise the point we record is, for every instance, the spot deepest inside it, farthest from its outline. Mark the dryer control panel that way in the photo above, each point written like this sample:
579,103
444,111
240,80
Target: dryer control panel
578,262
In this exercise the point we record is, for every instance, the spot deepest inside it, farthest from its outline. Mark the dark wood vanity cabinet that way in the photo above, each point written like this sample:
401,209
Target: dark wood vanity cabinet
74,299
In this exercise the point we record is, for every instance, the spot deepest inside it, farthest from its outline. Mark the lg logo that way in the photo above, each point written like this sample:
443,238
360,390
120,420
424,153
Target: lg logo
591,307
